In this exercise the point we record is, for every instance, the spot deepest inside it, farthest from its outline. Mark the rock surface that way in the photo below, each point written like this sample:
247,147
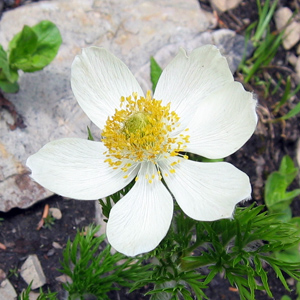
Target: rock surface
291,36
7,291
224,5
32,270
33,296
56,213
133,31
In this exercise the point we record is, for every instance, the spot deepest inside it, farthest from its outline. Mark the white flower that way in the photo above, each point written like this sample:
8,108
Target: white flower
197,107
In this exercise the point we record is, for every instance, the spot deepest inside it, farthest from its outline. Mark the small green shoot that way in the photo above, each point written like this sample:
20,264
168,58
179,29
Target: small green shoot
49,221
90,136
155,72
30,50
13,272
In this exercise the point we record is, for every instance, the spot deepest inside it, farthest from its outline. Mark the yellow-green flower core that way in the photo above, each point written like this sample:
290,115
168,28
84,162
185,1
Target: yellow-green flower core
141,131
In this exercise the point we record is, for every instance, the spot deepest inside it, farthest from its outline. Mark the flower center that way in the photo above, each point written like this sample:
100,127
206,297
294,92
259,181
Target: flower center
142,131
136,124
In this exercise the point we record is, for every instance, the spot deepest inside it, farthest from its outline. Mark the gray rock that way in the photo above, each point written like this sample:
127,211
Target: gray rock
297,69
232,46
292,58
291,36
2,275
33,296
32,270
7,291
298,50
56,213
133,31
224,5
63,278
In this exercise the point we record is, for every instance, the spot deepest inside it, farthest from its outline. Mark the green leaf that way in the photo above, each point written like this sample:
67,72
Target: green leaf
263,275
186,295
34,47
276,197
6,73
204,159
24,48
275,189
296,221
8,87
90,136
284,210
291,195
288,169
286,95
293,112
42,295
291,255
155,72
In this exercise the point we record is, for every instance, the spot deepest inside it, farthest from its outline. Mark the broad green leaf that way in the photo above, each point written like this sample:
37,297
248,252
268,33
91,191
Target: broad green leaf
284,210
281,205
24,48
6,73
35,47
288,169
276,196
291,195
8,87
275,188
291,255
296,222
155,72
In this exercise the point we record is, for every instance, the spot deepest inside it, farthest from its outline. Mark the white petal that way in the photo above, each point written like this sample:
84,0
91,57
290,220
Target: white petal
75,168
207,191
140,220
187,80
98,80
223,123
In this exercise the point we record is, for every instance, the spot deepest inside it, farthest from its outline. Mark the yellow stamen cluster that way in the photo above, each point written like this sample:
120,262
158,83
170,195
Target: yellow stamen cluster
140,131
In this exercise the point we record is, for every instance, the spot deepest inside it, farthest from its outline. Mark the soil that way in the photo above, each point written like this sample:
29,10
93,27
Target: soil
258,158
